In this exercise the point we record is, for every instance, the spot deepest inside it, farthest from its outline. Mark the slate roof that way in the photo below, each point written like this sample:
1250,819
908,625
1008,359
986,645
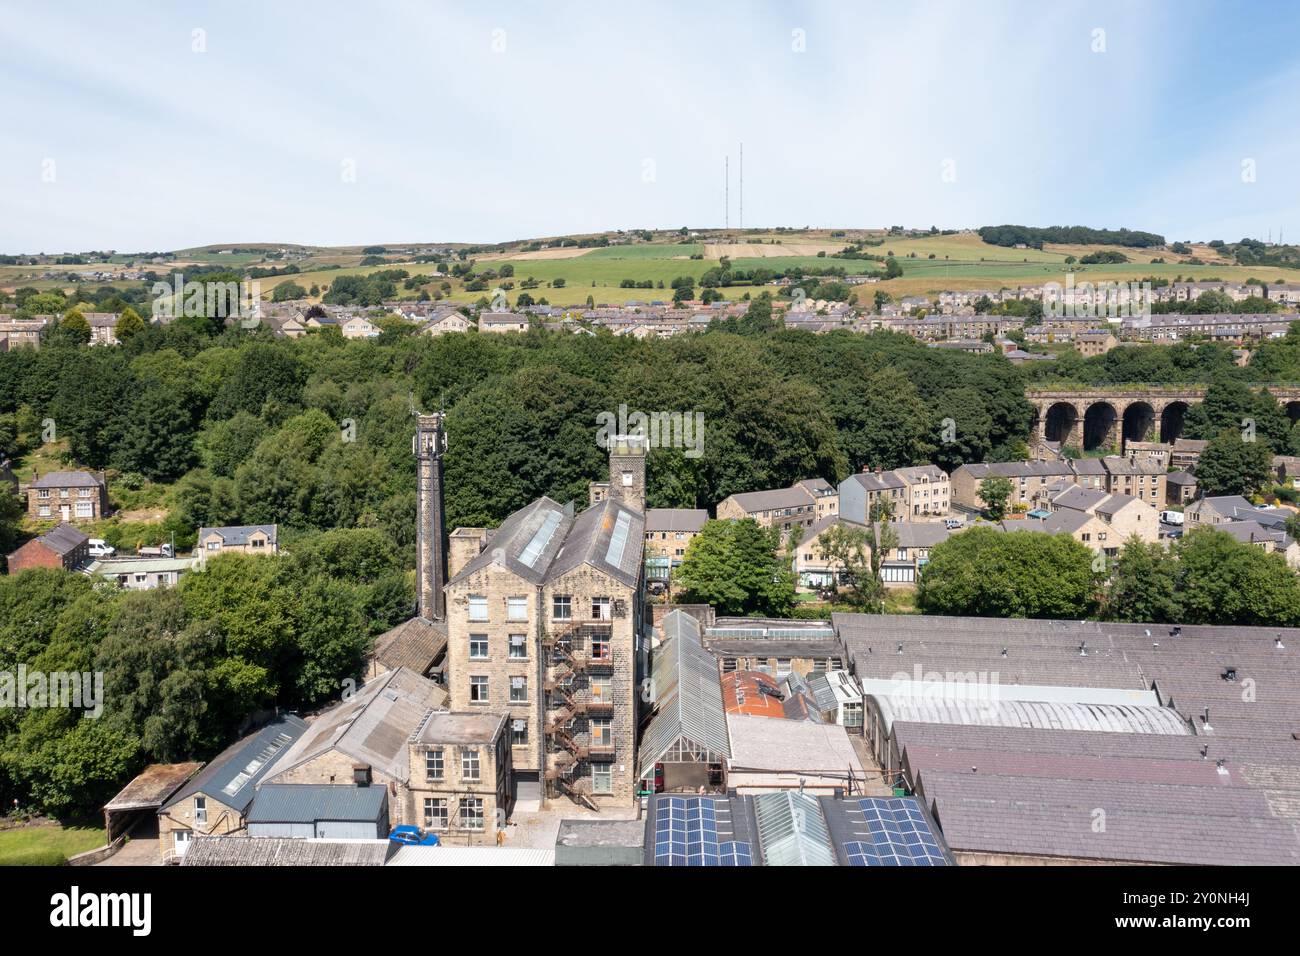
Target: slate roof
373,727
63,538
558,542
413,644
1144,822
675,519
68,479
777,499
1018,469
920,534
236,535
232,776
878,481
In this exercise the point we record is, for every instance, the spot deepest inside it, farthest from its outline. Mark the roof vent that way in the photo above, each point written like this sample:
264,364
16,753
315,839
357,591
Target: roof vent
1205,751
900,648
1083,648
1205,721
1230,674
1219,766
1004,652
1176,630
1277,642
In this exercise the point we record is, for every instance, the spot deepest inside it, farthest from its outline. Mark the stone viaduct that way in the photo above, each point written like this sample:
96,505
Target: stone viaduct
1104,417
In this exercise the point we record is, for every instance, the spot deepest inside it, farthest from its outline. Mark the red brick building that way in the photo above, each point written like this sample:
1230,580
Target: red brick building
63,547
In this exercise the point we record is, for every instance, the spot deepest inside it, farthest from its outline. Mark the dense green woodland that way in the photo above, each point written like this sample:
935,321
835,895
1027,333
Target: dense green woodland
236,427
253,429
315,434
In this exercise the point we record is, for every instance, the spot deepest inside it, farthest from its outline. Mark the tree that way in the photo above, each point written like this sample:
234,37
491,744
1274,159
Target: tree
848,553
287,292
129,325
157,437
758,317
72,329
995,492
736,567
988,573
1143,584
1231,465
1225,581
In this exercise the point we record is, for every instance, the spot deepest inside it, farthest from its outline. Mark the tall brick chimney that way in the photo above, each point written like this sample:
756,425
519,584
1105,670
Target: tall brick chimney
431,525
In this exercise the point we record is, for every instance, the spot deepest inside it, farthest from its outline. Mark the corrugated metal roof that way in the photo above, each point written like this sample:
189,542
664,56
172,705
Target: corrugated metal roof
309,802
284,851
832,688
688,693
994,712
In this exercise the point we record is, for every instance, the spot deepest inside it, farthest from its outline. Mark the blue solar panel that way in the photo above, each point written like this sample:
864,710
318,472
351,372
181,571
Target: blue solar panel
686,832
736,854
899,835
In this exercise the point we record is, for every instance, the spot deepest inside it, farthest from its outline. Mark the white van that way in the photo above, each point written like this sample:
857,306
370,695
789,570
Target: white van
98,549
1171,517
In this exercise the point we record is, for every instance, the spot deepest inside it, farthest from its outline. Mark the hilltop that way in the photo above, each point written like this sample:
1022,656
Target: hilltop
641,265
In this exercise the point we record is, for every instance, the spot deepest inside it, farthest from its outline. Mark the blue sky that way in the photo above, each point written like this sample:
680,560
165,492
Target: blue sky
488,122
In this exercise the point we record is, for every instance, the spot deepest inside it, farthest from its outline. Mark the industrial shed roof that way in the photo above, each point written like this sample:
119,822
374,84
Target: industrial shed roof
284,851
374,726
1036,714
1143,822
687,692
308,803
794,746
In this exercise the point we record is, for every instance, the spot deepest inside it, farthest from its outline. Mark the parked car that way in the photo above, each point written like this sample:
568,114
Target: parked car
98,549
409,835
953,523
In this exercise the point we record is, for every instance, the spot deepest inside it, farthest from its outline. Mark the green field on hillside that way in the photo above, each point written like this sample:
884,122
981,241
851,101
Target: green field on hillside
645,251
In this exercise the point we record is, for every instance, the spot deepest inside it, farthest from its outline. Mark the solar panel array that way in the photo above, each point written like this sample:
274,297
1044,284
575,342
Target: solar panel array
686,834
900,836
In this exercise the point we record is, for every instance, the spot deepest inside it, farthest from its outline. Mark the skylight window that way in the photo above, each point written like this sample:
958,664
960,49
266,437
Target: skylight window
618,540
540,540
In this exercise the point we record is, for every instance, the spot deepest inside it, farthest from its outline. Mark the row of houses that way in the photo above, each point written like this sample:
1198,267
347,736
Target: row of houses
68,548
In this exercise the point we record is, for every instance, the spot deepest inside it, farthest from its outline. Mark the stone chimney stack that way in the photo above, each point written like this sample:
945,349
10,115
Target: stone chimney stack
627,470
431,531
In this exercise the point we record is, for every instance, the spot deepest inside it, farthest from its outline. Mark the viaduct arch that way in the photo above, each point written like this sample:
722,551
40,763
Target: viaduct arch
1090,418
